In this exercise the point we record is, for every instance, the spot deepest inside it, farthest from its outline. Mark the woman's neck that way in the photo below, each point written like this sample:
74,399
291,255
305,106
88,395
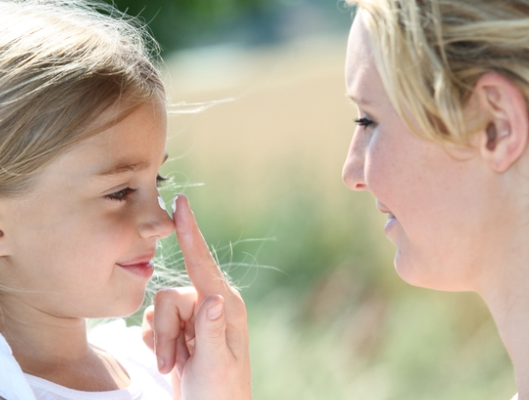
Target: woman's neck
508,300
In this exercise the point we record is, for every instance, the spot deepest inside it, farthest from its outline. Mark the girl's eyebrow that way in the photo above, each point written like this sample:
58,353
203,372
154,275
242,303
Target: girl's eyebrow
122,167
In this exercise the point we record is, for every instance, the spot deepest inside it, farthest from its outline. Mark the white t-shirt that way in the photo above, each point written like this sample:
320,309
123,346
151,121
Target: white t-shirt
126,345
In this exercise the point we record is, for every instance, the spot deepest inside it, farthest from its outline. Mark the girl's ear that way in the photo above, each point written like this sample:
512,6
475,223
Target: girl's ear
4,245
504,139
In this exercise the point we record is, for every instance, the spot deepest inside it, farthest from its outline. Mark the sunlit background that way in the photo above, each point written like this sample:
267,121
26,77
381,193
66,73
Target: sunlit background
329,318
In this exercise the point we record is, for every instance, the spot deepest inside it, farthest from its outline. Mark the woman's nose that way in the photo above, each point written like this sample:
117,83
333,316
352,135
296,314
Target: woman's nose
353,173
156,222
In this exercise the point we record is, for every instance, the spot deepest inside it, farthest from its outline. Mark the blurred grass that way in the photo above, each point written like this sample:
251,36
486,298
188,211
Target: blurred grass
330,319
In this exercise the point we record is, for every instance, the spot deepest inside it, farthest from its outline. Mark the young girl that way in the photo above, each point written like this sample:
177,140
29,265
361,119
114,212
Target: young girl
82,136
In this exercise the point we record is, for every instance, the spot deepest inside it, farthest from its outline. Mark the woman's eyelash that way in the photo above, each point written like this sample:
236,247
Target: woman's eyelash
365,122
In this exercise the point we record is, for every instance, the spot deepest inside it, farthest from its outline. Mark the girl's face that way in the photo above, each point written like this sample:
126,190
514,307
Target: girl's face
438,210
80,241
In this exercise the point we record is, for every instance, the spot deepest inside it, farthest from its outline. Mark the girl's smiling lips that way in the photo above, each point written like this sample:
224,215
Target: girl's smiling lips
141,265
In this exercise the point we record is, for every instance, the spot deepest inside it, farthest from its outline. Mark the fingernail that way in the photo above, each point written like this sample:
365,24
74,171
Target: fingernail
215,312
174,204
161,364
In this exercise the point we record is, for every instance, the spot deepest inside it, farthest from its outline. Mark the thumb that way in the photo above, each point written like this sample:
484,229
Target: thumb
210,327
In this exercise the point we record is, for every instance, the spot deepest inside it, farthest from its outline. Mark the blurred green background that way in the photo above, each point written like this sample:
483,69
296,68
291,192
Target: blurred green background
329,318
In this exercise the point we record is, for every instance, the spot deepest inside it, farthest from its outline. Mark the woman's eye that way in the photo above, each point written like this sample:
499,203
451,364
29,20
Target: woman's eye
120,195
364,121
160,180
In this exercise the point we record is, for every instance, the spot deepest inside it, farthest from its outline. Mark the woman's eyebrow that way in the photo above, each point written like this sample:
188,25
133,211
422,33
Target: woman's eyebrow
360,100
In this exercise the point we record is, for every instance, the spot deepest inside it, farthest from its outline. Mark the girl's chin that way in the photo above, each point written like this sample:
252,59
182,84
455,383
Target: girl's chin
119,309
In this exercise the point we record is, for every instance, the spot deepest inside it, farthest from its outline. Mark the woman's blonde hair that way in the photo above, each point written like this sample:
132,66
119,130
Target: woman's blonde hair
430,54
62,64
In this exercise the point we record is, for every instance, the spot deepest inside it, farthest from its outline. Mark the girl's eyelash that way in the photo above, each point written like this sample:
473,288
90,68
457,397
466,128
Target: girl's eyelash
365,122
160,180
124,194
121,195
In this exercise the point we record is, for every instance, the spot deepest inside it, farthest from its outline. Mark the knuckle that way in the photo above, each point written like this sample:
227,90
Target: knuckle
148,337
236,294
174,294
238,338
185,290
216,336
160,342
147,332
149,310
148,315
163,294
238,302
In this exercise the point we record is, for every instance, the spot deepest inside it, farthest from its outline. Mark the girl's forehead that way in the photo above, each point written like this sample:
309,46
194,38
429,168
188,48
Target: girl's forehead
134,143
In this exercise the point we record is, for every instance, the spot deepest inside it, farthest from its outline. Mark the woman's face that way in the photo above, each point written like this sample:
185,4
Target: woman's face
438,218
81,240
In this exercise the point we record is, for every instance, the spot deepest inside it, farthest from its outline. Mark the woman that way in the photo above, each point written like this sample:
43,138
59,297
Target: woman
442,88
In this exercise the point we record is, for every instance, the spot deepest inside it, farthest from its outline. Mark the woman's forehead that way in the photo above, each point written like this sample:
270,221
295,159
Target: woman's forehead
362,78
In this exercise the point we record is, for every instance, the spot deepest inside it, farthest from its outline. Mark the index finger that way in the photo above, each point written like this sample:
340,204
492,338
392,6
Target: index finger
206,276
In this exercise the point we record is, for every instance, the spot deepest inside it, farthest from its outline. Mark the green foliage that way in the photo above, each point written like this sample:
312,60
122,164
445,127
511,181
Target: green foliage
179,23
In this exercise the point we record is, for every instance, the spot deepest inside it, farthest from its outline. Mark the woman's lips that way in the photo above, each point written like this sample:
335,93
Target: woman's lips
390,223
391,217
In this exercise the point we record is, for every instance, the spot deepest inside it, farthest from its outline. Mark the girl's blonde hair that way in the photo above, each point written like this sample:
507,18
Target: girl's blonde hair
62,63
430,54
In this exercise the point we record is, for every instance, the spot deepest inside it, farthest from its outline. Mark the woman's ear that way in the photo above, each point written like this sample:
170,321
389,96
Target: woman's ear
504,139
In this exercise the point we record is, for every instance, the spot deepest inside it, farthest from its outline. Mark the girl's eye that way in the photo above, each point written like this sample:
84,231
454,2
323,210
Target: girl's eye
120,195
160,180
124,194
364,121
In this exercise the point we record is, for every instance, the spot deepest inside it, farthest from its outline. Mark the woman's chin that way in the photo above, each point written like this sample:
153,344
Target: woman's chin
414,272
423,274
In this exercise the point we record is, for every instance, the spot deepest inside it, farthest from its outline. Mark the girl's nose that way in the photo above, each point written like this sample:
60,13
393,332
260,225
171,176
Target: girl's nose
353,173
156,222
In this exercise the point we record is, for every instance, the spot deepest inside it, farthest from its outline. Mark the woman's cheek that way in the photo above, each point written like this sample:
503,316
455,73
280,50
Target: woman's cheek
378,174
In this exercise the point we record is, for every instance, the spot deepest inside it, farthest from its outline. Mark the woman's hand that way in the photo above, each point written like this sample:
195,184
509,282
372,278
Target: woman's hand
200,334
